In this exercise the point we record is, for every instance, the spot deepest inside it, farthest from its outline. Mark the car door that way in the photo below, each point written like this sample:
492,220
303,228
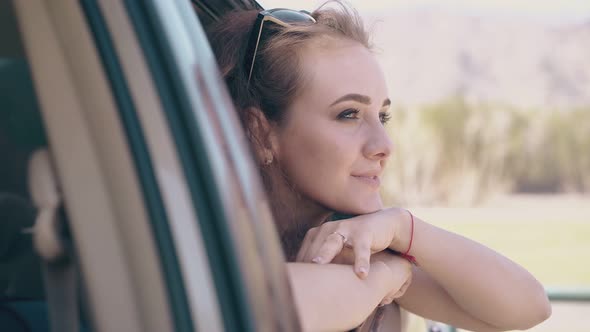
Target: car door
166,213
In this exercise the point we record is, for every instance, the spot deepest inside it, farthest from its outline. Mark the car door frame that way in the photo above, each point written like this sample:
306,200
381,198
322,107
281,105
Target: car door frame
122,165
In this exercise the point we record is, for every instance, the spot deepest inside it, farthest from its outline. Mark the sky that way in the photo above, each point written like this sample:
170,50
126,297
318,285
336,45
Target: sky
550,10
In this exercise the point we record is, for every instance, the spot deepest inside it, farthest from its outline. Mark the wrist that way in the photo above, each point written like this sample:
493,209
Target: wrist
402,235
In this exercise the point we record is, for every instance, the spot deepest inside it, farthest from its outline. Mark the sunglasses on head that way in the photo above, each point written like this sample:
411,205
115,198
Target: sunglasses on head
281,16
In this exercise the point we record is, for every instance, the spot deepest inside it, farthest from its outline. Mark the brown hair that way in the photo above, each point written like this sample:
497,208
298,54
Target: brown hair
277,78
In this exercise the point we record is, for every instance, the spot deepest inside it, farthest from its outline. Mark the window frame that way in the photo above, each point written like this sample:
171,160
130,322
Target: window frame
188,242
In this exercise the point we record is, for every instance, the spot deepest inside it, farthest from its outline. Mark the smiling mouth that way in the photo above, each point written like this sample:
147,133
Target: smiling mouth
372,181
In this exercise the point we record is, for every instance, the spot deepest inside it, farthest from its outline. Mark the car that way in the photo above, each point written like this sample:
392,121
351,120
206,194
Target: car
129,200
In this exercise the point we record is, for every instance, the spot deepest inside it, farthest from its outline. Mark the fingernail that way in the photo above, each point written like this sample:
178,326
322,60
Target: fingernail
363,270
317,260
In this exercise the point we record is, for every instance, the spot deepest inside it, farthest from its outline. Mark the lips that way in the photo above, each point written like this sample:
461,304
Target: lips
372,181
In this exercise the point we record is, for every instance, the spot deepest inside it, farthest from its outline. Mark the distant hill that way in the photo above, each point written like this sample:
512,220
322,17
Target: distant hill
429,55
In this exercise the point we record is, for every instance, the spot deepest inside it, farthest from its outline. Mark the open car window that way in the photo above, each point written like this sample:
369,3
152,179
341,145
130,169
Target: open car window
166,213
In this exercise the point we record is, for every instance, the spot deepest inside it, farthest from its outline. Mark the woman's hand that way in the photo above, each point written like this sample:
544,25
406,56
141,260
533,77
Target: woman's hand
365,234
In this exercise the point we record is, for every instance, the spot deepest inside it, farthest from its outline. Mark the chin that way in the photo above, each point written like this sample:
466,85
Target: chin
363,206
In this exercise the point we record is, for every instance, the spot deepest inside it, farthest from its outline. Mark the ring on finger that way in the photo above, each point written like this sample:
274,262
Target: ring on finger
344,239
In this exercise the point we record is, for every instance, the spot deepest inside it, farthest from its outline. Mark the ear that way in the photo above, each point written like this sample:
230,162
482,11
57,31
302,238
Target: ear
262,133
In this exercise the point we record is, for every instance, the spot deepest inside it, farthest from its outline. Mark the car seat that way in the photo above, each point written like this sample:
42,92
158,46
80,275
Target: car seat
22,300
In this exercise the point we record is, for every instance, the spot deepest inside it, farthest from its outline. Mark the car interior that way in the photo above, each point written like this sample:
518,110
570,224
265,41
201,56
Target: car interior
22,306
23,302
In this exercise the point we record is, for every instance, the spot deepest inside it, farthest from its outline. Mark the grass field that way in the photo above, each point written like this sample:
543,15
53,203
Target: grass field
549,235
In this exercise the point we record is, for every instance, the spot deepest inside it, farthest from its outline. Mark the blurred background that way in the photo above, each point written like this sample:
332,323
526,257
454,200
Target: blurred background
491,127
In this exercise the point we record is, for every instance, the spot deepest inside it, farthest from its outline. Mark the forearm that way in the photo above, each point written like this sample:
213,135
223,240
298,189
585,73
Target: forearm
483,283
331,297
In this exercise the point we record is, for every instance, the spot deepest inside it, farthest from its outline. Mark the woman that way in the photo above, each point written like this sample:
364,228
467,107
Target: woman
313,101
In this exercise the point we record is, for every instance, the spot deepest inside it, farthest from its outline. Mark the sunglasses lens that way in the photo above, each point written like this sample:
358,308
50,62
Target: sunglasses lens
290,16
286,16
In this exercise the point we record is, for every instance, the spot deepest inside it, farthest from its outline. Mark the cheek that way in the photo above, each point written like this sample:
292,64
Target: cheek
323,154
318,161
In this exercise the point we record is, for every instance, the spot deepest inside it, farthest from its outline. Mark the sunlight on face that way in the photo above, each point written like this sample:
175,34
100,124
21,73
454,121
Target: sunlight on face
333,145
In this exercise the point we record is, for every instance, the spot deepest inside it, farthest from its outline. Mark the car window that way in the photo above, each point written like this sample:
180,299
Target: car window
165,209
225,189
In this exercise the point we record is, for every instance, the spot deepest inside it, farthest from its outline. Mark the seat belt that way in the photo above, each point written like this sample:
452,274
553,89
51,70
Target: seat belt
58,264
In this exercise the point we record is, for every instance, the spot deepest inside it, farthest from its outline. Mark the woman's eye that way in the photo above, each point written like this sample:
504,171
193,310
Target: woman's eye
349,114
384,117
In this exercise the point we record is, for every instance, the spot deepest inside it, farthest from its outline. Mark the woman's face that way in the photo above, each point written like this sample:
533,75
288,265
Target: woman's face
332,145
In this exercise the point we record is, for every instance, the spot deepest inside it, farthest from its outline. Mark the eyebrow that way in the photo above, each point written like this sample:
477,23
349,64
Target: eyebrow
359,98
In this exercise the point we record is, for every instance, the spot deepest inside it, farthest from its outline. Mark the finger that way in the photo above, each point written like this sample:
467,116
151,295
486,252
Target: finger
318,240
386,301
362,256
403,289
345,257
331,247
306,244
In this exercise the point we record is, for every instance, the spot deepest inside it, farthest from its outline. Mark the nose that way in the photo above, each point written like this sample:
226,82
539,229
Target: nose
378,145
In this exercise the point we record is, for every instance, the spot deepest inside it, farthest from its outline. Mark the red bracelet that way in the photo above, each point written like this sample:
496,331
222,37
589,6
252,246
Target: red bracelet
406,255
